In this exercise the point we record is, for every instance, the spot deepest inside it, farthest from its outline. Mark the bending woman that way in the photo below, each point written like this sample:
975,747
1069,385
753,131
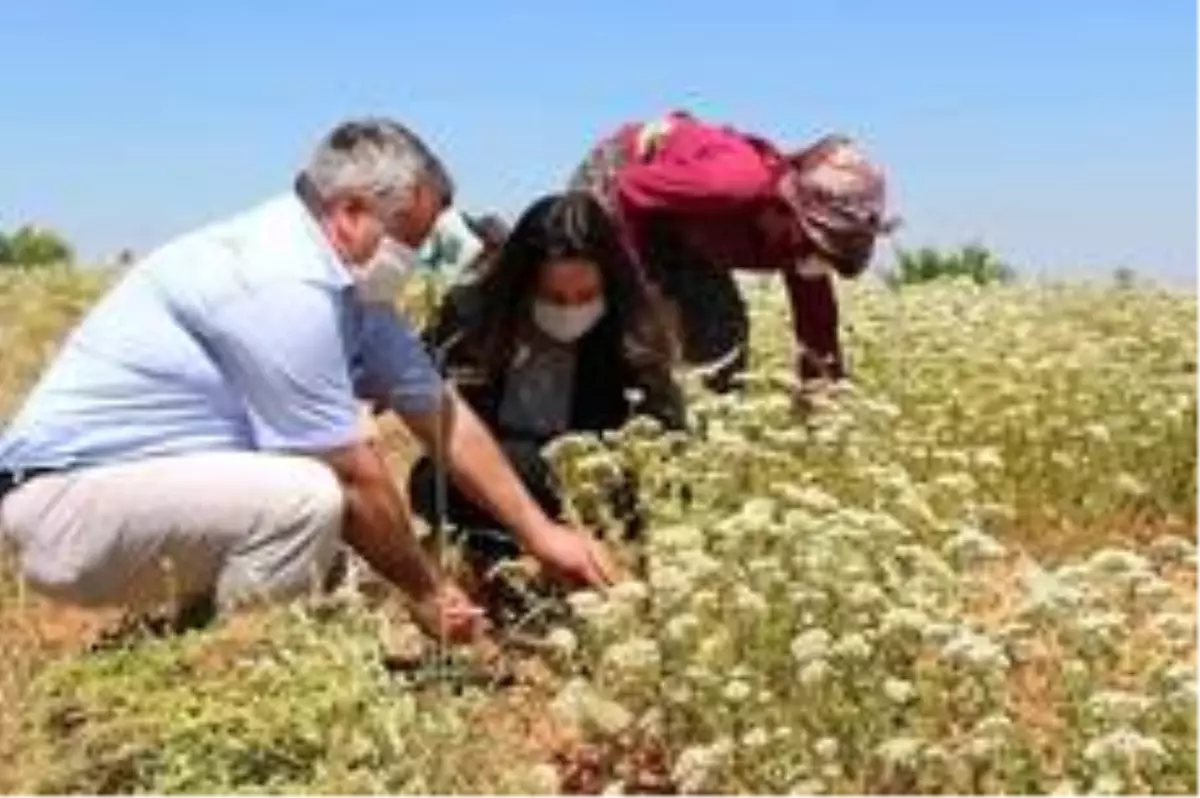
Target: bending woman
555,335
697,201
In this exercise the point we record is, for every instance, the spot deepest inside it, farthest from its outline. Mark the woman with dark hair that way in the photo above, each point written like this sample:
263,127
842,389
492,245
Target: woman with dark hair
558,333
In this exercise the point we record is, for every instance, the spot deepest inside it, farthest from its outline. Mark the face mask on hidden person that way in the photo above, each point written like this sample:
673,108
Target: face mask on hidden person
567,323
382,277
814,266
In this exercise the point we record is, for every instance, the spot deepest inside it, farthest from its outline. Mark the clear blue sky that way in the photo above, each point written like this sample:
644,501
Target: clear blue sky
1060,132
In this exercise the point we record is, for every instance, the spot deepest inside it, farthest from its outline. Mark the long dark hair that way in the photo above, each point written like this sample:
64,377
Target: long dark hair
567,226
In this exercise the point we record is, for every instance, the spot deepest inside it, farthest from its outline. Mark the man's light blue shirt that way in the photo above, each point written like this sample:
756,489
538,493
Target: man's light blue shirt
244,335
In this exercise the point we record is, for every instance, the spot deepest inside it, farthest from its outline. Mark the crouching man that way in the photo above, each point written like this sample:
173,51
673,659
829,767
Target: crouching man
197,435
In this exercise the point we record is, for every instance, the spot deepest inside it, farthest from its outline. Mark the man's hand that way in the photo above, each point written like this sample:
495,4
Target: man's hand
447,614
572,556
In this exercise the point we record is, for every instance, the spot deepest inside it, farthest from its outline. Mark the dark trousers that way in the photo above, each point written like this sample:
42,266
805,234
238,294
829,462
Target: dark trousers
484,536
715,325
474,527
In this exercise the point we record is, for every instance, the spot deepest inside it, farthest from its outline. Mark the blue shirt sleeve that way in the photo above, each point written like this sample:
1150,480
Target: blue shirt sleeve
393,368
284,353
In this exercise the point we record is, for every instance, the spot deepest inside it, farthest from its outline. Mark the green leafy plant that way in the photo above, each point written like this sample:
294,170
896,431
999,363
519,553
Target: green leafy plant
34,246
973,262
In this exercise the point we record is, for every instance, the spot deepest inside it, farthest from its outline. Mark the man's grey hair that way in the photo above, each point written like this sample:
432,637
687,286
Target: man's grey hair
376,157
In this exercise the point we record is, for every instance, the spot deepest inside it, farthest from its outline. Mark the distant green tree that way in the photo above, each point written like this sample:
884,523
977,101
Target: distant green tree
35,246
972,261
1124,277
5,250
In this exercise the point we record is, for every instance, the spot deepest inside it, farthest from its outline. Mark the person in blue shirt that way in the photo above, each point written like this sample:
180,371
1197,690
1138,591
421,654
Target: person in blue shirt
198,433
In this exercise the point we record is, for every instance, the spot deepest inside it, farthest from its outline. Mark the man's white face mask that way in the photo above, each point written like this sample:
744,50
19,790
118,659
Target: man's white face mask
382,277
567,323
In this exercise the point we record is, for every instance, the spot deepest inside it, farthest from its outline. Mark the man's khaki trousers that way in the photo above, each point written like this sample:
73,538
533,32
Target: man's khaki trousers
238,526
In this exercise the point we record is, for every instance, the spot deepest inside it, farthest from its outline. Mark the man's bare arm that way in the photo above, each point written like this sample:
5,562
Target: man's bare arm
377,525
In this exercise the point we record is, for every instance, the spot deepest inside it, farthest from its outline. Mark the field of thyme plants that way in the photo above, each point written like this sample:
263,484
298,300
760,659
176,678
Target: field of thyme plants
971,571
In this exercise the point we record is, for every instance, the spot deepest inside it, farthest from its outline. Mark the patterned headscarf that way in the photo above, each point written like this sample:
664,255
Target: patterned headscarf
838,197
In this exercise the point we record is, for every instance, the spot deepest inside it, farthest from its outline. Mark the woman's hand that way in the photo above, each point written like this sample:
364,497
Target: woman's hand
572,555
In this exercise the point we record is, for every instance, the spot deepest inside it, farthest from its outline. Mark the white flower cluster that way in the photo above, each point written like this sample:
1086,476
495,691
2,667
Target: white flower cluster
874,569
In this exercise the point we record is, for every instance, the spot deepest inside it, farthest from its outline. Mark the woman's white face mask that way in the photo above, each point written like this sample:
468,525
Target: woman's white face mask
567,323
382,277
